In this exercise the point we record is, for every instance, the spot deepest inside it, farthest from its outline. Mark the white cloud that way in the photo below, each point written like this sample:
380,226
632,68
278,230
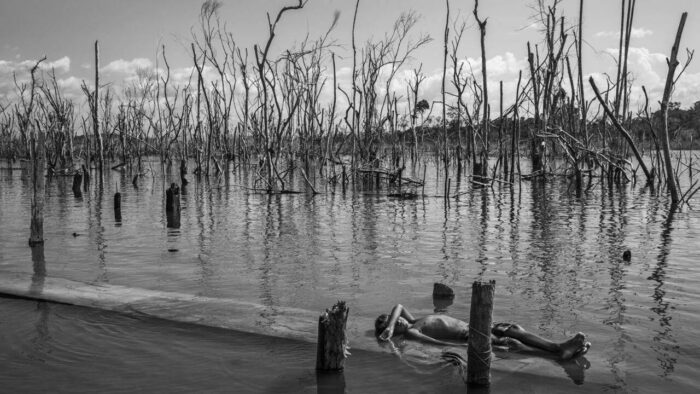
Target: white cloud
60,65
637,32
127,66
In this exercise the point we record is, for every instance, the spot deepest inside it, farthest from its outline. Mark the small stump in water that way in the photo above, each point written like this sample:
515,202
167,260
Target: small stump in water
77,183
480,319
442,291
627,255
172,206
117,207
332,341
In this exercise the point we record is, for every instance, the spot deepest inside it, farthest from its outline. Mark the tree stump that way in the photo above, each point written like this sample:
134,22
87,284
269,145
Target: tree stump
86,178
442,291
117,207
332,341
172,206
77,184
480,321
627,255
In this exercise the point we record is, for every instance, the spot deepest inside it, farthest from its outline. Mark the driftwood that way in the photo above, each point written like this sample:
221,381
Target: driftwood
393,176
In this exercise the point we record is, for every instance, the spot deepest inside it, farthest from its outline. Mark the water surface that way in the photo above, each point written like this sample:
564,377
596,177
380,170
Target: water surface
555,257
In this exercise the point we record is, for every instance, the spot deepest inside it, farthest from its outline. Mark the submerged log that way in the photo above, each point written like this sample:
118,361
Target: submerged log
480,319
332,339
172,206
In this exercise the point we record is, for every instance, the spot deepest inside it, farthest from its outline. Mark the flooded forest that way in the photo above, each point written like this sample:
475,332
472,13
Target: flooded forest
263,179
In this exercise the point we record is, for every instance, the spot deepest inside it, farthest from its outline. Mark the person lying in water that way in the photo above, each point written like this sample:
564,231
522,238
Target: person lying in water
439,329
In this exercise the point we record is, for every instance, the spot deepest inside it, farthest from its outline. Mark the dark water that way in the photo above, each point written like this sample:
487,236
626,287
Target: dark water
556,259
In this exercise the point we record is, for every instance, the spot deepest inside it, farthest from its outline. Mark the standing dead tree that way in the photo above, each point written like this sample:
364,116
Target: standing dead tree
481,168
671,178
273,178
37,160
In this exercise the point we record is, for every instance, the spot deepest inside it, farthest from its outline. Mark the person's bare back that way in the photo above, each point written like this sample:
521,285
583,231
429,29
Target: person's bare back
442,327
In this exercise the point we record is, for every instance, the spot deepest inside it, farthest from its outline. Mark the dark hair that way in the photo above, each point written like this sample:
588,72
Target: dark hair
380,324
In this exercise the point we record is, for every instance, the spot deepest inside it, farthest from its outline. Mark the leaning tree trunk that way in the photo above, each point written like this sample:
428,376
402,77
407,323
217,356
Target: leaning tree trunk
672,64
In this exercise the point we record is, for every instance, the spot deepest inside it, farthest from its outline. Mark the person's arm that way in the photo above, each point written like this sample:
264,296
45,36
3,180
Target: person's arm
416,334
396,312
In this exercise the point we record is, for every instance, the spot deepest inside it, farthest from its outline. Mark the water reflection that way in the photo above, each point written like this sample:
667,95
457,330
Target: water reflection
555,256
38,269
330,383
664,342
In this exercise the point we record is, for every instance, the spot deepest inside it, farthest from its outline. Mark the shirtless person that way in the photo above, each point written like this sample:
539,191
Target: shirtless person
439,329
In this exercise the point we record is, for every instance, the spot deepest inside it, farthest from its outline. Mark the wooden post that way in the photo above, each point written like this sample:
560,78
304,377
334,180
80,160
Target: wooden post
479,353
172,206
38,154
117,207
332,341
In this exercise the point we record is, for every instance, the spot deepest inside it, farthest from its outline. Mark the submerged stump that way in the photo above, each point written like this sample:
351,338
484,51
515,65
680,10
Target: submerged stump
172,206
77,183
332,339
480,320
117,207
442,291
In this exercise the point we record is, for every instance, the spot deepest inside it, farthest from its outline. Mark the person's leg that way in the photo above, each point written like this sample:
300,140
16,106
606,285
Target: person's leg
570,348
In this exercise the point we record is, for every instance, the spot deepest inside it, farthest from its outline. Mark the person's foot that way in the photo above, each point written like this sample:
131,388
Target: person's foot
574,347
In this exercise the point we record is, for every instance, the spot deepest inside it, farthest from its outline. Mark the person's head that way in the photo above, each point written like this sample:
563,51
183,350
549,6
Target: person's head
380,324
383,321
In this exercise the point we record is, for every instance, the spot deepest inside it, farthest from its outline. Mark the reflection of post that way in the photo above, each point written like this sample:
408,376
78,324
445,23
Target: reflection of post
479,353
172,206
330,383
332,342
39,269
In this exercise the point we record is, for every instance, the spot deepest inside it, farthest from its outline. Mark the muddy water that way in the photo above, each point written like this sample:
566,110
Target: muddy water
555,257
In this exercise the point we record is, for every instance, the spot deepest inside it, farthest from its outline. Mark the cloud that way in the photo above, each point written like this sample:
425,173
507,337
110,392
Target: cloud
122,66
61,65
637,32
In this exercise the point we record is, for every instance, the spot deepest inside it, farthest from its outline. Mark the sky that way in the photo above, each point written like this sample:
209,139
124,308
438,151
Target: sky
131,32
